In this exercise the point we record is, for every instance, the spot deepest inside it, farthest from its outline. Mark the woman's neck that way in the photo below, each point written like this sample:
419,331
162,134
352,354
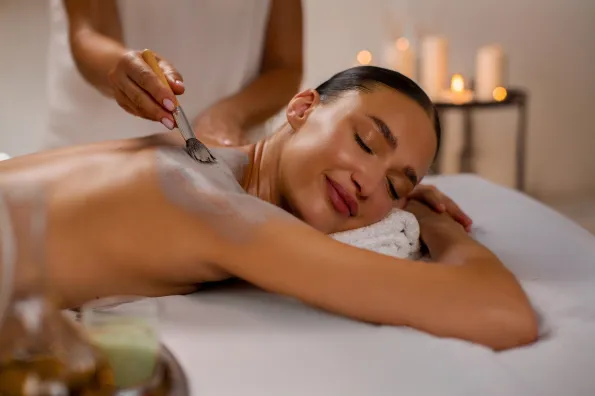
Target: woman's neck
262,176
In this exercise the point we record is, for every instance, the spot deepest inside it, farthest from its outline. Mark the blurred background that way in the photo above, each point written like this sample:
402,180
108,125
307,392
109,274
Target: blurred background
550,54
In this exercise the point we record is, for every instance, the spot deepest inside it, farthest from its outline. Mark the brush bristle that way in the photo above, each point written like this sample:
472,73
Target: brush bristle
199,151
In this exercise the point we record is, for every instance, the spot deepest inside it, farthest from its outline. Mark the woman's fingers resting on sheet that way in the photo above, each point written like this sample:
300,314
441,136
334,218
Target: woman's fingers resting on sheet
139,91
438,201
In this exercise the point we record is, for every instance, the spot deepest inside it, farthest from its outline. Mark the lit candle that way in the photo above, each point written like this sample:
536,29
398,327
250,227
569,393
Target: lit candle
457,93
457,83
489,70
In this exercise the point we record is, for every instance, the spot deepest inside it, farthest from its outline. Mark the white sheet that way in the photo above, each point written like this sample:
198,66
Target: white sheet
241,341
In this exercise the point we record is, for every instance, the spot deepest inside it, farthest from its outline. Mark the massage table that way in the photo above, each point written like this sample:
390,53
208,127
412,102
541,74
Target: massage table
238,340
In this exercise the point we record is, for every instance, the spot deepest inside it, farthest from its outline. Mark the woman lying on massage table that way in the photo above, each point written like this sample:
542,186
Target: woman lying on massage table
141,217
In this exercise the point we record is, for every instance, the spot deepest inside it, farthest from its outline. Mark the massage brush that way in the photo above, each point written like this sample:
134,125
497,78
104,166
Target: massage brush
194,147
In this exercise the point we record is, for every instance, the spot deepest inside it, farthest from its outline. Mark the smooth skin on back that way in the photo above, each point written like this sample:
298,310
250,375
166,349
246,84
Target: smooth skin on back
109,220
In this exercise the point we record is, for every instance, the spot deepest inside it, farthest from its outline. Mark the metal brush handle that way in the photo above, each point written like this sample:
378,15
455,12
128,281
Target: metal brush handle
195,148
183,123
181,119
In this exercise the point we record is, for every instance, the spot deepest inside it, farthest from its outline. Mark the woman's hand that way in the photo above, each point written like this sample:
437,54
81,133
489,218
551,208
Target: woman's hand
220,125
426,215
435,199
139,91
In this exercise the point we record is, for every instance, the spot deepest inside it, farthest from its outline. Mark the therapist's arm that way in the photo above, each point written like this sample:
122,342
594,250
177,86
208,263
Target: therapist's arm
95,35
279,79
467,294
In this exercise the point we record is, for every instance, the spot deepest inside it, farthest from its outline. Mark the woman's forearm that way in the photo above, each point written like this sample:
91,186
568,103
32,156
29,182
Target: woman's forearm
448,243
95,40
500,299
482,304
95,55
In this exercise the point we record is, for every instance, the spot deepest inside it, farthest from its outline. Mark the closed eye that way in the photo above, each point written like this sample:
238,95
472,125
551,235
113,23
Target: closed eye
392,191
361,143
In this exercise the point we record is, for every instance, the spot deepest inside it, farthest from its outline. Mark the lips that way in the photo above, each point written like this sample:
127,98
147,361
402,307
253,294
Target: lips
342,201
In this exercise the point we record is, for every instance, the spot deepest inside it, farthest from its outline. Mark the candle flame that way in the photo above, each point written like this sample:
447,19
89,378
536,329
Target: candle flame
457,84
364,57
499,94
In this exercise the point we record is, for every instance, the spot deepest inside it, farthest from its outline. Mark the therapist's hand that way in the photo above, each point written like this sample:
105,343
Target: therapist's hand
220,125
138,90
438,201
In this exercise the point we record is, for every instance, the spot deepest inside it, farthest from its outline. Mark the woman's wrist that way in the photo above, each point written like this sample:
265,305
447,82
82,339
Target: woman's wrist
95,56
441,235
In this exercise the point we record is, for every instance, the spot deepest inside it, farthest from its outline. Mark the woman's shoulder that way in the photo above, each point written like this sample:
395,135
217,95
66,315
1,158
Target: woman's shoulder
223,174
235,159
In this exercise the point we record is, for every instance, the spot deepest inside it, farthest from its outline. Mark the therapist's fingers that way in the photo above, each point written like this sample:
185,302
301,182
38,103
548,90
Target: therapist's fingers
141,73
144,105
124,102
174,78
131,67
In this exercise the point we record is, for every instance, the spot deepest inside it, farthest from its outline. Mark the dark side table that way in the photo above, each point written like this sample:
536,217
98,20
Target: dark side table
516,98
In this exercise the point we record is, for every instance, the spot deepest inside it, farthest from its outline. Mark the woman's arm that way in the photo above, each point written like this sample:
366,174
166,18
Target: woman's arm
474,298
279,79
95,36
281,70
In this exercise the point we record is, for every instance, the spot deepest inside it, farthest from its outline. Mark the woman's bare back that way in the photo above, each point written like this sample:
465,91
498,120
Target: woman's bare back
141,209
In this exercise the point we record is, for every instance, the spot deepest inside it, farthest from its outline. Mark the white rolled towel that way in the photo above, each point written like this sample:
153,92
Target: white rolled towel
396,235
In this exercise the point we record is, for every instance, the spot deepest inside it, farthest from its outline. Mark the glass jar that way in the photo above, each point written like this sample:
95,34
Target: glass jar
42,351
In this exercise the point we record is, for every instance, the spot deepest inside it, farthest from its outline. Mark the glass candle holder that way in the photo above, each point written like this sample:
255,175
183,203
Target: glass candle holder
125,328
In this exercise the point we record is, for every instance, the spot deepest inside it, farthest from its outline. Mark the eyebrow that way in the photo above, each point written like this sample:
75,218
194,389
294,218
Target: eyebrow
392,142
411,175
385,131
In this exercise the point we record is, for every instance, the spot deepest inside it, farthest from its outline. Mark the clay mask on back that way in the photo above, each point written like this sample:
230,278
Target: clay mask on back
212,191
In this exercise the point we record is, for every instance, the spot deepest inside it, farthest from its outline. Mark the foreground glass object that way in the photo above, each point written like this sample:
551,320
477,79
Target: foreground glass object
42,352
125,328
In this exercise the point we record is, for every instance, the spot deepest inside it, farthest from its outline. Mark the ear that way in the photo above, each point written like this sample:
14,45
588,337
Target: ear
301,106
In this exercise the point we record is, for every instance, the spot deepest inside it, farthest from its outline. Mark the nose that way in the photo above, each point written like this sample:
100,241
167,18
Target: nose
367,181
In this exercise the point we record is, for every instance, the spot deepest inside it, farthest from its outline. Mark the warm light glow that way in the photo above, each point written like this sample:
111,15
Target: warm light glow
457,84
364,57
402,44
499,94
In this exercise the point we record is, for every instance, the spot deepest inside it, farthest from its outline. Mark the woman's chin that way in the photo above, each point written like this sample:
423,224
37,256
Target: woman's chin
320,220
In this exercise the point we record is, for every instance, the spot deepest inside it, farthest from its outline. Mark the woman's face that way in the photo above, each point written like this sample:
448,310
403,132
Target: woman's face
348,162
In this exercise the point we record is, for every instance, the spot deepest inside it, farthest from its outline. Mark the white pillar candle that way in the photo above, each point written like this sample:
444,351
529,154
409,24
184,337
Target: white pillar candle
489,71
400,56
434,65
